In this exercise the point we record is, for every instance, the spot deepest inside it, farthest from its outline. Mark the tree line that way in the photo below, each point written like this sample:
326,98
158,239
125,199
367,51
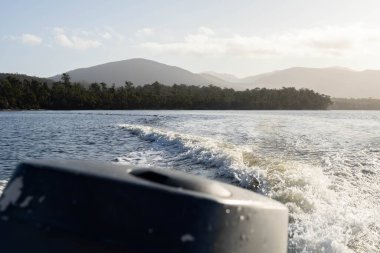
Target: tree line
355,104
16,93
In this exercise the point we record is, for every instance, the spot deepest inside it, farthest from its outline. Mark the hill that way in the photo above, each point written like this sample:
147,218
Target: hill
223,76
137,71
22,77
333,81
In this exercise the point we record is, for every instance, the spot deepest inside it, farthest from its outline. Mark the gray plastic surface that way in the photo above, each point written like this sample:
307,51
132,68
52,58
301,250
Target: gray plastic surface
76,206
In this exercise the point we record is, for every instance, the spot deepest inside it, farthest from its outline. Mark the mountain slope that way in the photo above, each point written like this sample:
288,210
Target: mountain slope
137,71
214,80
223,76
22,77
336,82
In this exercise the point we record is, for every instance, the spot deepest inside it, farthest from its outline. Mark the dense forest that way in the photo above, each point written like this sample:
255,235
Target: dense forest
18,93
22,77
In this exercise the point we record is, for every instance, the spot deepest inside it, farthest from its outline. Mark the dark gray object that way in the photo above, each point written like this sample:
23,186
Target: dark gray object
75,206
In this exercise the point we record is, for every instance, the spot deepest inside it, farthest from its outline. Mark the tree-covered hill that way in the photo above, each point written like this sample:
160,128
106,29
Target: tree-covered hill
23,77
16,93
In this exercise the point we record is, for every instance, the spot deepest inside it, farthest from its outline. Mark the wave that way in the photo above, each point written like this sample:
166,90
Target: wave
322,217
226,161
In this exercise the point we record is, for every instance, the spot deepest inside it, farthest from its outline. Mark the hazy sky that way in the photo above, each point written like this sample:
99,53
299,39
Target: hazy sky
46,37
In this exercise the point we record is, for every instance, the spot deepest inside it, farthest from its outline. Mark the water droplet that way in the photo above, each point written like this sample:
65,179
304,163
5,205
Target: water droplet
187,238
41,199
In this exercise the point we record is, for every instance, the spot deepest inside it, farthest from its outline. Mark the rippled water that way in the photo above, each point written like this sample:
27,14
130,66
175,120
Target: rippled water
324,165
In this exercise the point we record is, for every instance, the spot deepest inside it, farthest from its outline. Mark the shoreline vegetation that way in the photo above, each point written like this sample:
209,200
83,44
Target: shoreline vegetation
17,93
355,104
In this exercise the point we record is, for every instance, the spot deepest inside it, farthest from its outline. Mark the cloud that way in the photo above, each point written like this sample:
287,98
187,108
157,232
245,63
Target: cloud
26,38
206,31
74,41
108,32
330,41
30,39
206,42
63,40
145,32
106,36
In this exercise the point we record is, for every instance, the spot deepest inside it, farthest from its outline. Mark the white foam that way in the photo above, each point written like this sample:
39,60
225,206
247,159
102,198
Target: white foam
2,186
12,194
227,159
327,213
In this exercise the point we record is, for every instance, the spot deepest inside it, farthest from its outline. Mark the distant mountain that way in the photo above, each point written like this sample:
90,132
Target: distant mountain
137,71
336,82
333,81
223,76
214,80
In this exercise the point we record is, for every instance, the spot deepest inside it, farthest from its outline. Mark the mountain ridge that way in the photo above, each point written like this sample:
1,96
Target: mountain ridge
137,70
333,81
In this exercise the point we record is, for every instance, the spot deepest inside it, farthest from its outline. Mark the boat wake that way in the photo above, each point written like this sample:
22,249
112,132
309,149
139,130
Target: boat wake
2,185
322,217
221,161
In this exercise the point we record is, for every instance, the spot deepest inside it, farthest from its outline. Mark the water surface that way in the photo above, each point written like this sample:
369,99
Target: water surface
324,165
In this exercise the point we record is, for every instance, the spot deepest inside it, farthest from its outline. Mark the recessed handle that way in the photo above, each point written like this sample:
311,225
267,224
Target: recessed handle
182,182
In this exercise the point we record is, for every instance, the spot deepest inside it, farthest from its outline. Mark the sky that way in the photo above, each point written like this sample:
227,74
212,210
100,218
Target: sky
241,37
